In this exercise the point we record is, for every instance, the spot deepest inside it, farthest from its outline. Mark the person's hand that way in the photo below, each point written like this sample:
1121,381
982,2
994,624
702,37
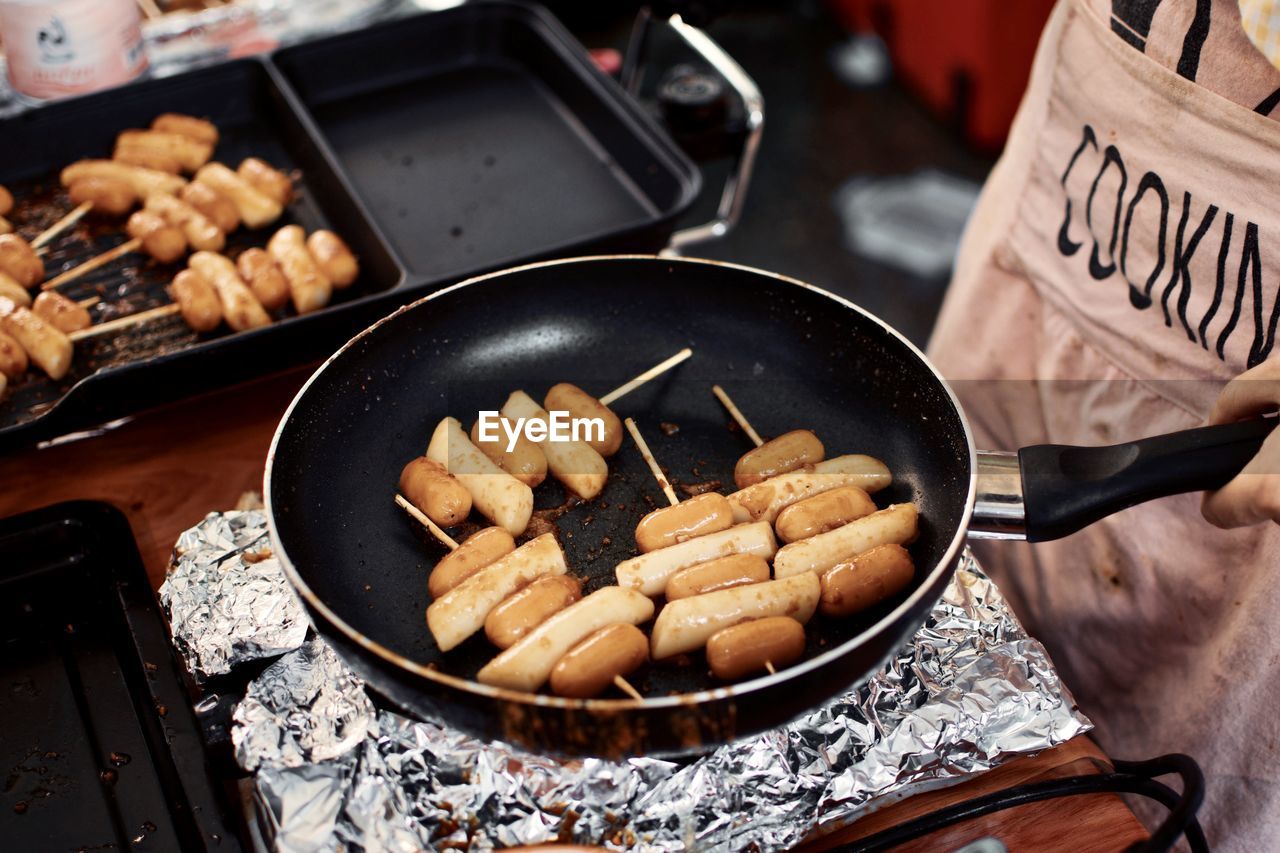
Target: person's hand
1254,495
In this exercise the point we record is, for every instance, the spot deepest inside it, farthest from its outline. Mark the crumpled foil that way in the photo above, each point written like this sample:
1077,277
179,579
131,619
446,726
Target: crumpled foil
225,597
967,691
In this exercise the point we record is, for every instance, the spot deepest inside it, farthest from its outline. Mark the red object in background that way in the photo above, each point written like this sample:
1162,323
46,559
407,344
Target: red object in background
968,60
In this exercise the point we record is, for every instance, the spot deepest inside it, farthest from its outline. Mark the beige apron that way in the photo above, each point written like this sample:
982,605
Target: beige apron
1125,254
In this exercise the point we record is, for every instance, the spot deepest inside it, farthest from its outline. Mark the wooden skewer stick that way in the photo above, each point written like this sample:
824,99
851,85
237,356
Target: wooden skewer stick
769,666
93,263
150,9
736,414
652,463
445,539
61,225
656,370
625,686
90,302
124,322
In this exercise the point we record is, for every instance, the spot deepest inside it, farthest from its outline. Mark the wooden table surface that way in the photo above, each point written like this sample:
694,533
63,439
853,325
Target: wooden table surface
168,467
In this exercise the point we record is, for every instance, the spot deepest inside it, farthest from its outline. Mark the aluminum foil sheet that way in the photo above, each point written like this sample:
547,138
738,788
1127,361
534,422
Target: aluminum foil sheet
225,597
969,690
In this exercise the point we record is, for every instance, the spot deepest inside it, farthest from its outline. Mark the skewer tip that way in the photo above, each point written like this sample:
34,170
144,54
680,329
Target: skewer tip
625,686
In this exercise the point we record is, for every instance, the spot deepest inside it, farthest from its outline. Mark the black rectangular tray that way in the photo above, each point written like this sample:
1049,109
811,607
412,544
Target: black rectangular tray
100,746
439,146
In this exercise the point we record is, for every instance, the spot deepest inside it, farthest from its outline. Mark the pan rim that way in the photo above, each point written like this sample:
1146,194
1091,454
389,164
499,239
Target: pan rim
945,565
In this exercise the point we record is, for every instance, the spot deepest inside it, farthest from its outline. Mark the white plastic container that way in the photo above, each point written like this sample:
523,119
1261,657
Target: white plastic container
56,48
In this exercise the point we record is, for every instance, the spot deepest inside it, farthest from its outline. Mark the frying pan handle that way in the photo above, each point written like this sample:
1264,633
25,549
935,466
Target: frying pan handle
734,194
1059,489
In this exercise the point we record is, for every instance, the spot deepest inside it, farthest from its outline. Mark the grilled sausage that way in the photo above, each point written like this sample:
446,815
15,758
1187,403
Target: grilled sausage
143,181
147,158
60,312
264,278
763,501
528,663
267,179
670,525
476,551
49,348
823,512
201,233
650,572
579,404
748,647
107,195
785,453
526,462
896,524
530,607
308,285
217,208
240,308
333,257
190,153
431,488
19,261
713,575
589,668
687,624
197,300
577,465
10,289
866,580
256,210
13,358
162,241
6,201
461,612
496,495
190,126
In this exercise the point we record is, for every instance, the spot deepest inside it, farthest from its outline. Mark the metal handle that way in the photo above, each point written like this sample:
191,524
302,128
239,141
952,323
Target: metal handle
1000,511
734,193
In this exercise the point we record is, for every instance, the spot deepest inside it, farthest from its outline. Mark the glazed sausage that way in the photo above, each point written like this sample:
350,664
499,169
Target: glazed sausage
197,300
497,495
60,312
143,181
190,153
49,348
476,551
530,607
333,257
107,195
748,647
6,201
763,501
579,404
201,233
713,575
240,308
823,512
671,525
896,524
308,285
264,278
528,663
650,572
687,624
266,179
216,207
6,227
589,668
10,289
190,126
866,580
461,611
576,464
19,261
256,210
162,241
13,358
147,158
432,489
787,452
526,462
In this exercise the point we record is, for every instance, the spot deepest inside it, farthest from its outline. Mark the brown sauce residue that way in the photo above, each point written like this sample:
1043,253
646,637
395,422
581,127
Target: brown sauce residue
695,489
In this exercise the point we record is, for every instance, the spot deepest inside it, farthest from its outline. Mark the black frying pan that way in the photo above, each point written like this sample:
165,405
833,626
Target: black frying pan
790,354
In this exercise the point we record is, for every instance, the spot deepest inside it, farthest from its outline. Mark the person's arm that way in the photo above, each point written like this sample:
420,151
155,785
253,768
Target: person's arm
1254,495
